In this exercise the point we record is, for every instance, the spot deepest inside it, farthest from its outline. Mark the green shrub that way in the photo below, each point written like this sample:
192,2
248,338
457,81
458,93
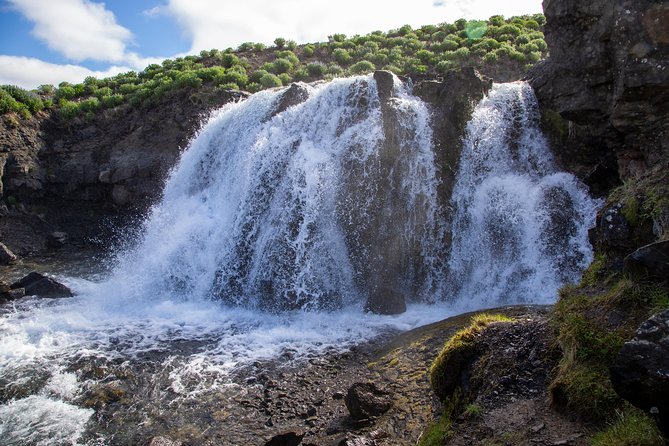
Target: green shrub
289,55
308,50
364,66
280,42
68,109
257,75
316,69
270,80
112,100
282,66
188,79
341,56
254,87
285,78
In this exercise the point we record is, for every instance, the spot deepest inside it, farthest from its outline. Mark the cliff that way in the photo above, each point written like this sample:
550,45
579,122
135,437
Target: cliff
73,176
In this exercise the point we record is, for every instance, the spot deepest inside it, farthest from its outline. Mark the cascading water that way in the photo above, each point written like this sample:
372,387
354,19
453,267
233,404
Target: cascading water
330,204
300,209
520,229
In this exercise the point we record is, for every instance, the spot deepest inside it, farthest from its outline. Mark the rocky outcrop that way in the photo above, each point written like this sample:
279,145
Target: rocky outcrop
288,438
74,175
608,76
640,374
650,261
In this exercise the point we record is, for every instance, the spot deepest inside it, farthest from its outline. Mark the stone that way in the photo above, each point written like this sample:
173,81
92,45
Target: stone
366,400
613,228
651,260
287,438
57,239
297,93
7,257
640,373
36,284
385,83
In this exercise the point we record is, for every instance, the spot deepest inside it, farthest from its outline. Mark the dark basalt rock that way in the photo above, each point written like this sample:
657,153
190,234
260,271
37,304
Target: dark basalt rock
163,441
36,284
651,260
384,84
288,438
366,400
297,93
640,374
8,294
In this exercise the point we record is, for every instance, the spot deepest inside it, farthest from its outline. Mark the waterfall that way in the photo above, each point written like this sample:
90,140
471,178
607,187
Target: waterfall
278,215
329,202
520,227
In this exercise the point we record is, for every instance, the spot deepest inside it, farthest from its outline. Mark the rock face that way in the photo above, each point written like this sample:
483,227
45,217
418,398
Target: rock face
366,400
36,284
640,374
73,175
608,74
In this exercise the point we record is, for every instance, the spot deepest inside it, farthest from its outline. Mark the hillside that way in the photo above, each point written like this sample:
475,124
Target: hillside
500,48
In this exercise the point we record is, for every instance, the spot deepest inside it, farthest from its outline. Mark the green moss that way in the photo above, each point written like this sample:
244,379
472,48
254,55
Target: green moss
592,321
631,428
445,370
630,210
594,272
473,410
437,433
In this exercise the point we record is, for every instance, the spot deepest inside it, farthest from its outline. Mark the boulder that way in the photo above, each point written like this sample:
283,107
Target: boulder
651,260
288,438
36,284
640,374
6,255
366,400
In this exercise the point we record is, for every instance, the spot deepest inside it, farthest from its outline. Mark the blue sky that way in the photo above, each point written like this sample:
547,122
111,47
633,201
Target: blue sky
48,41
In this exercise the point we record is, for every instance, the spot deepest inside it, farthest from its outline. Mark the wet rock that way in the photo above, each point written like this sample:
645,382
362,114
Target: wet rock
640,374
288,438
650,260
366,400
386,301
36,284
385,83
57,239
163,441
297,93
613,229
7,293
6,255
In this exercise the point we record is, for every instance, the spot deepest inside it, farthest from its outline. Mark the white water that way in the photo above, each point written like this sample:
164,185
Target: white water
267,241
520,229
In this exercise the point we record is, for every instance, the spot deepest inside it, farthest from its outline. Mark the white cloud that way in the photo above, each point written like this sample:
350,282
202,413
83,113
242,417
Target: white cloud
78,29
28,72
223,23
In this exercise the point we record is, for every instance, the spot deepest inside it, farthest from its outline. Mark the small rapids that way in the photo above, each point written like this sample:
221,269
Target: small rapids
276,229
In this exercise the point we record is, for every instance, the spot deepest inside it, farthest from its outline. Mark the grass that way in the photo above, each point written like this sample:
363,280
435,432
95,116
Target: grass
592,321
630,428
